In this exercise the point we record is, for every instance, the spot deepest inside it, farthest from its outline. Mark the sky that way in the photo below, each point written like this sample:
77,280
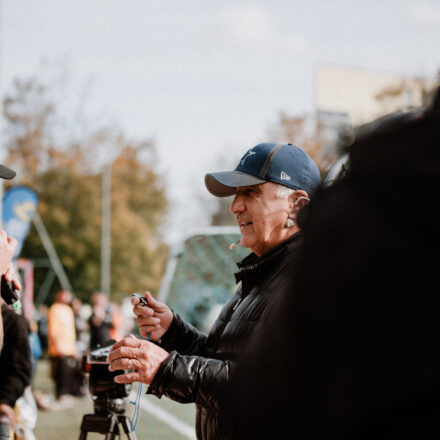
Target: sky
207,79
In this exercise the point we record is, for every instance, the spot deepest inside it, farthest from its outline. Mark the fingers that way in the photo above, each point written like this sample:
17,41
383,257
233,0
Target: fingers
129,377
139,310
123,364
122,347
12,243
11,275
153,302
122,353
150,321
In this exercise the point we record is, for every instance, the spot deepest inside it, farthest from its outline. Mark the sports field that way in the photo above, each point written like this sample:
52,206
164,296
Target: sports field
158,419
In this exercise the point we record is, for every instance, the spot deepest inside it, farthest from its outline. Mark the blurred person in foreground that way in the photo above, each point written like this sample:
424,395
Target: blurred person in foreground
351,351
7,249
15,362
62,346
15,355
270,185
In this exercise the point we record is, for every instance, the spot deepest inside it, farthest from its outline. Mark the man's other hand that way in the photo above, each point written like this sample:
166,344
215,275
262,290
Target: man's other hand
141,358
154,319
7,249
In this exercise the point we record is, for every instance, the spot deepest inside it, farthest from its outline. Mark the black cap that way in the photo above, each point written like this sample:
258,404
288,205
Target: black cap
6,173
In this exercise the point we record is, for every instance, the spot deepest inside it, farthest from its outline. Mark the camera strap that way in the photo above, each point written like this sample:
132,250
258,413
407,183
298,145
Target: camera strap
137,405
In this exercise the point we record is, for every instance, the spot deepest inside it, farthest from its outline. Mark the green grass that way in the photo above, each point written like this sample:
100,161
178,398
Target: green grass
65,424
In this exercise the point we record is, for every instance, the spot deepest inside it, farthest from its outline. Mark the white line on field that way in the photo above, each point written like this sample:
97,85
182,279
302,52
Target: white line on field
168,418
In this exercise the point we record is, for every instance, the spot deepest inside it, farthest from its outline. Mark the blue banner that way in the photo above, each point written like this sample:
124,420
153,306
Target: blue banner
19,205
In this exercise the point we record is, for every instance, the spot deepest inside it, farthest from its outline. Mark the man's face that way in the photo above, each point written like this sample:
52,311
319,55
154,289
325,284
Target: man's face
261,216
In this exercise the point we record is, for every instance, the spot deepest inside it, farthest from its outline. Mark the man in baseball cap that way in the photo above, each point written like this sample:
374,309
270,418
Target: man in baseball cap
270,184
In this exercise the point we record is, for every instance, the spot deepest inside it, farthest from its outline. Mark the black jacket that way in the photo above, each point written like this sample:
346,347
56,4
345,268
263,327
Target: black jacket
359,329
199,366
15,364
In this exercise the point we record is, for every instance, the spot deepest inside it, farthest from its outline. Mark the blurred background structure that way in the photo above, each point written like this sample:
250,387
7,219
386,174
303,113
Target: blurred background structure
114,110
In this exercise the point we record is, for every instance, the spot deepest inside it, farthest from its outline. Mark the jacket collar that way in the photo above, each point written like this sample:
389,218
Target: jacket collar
252,267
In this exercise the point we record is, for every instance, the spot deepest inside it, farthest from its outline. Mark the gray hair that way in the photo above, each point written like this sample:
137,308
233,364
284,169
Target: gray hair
284,191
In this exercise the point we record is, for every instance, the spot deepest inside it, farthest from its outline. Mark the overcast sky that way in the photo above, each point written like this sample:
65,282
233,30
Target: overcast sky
206,79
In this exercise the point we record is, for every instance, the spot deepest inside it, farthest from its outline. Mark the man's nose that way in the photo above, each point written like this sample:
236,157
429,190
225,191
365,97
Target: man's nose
237,205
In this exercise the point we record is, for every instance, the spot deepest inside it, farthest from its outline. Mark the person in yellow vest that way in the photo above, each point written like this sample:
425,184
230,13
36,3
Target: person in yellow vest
62,345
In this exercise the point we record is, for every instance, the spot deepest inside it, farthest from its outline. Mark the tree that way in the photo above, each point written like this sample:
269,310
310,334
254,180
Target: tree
302,131
65,173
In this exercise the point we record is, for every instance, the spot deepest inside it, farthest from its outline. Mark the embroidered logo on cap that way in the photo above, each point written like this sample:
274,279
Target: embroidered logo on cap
284,176
249,153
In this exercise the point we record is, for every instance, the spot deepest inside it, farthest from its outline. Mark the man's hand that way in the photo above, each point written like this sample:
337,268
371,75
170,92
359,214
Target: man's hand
7,249
11,275
6,412
143,358
154,319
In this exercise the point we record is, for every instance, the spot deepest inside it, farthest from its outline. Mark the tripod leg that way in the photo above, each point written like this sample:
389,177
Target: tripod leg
123,420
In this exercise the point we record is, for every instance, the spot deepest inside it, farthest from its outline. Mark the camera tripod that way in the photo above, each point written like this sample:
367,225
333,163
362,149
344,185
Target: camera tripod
108,415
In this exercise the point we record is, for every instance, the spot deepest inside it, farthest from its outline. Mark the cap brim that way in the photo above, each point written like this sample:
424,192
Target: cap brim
224,184
6,173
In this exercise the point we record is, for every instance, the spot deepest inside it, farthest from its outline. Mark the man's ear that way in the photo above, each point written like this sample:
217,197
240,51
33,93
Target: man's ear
301,198
298,200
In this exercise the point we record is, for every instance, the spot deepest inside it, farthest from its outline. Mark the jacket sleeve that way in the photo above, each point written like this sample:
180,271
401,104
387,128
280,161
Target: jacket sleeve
191,379
184,338
15,367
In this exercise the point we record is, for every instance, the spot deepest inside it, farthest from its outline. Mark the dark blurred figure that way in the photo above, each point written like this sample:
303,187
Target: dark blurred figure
351,352
101,320
41,317
15,363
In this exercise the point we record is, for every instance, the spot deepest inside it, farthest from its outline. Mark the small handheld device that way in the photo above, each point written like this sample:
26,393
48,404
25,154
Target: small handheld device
142,301
9,294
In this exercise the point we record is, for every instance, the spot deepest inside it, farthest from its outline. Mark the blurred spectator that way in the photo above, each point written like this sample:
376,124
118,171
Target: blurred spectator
15,365
117,330
62,346
41,318
35,346
101,320
81,327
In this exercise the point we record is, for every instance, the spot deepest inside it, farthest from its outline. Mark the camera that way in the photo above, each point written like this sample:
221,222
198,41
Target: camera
101,381
108,397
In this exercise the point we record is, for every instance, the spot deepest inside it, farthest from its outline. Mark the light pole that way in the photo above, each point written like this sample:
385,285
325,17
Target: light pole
106,230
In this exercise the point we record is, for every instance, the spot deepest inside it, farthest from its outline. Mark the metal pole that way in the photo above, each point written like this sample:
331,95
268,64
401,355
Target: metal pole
51,252
106,230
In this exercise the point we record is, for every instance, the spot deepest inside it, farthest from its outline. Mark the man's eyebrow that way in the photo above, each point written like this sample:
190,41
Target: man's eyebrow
250,187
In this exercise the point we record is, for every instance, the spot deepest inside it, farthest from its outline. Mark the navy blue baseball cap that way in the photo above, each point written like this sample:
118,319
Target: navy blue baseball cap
279,163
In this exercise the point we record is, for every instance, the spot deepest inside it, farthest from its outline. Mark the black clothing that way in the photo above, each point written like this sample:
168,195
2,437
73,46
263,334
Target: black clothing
15,364
358,330
100,334
67,375
199,367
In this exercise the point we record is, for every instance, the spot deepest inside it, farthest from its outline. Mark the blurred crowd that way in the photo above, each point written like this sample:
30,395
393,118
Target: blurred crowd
61,334
67,331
